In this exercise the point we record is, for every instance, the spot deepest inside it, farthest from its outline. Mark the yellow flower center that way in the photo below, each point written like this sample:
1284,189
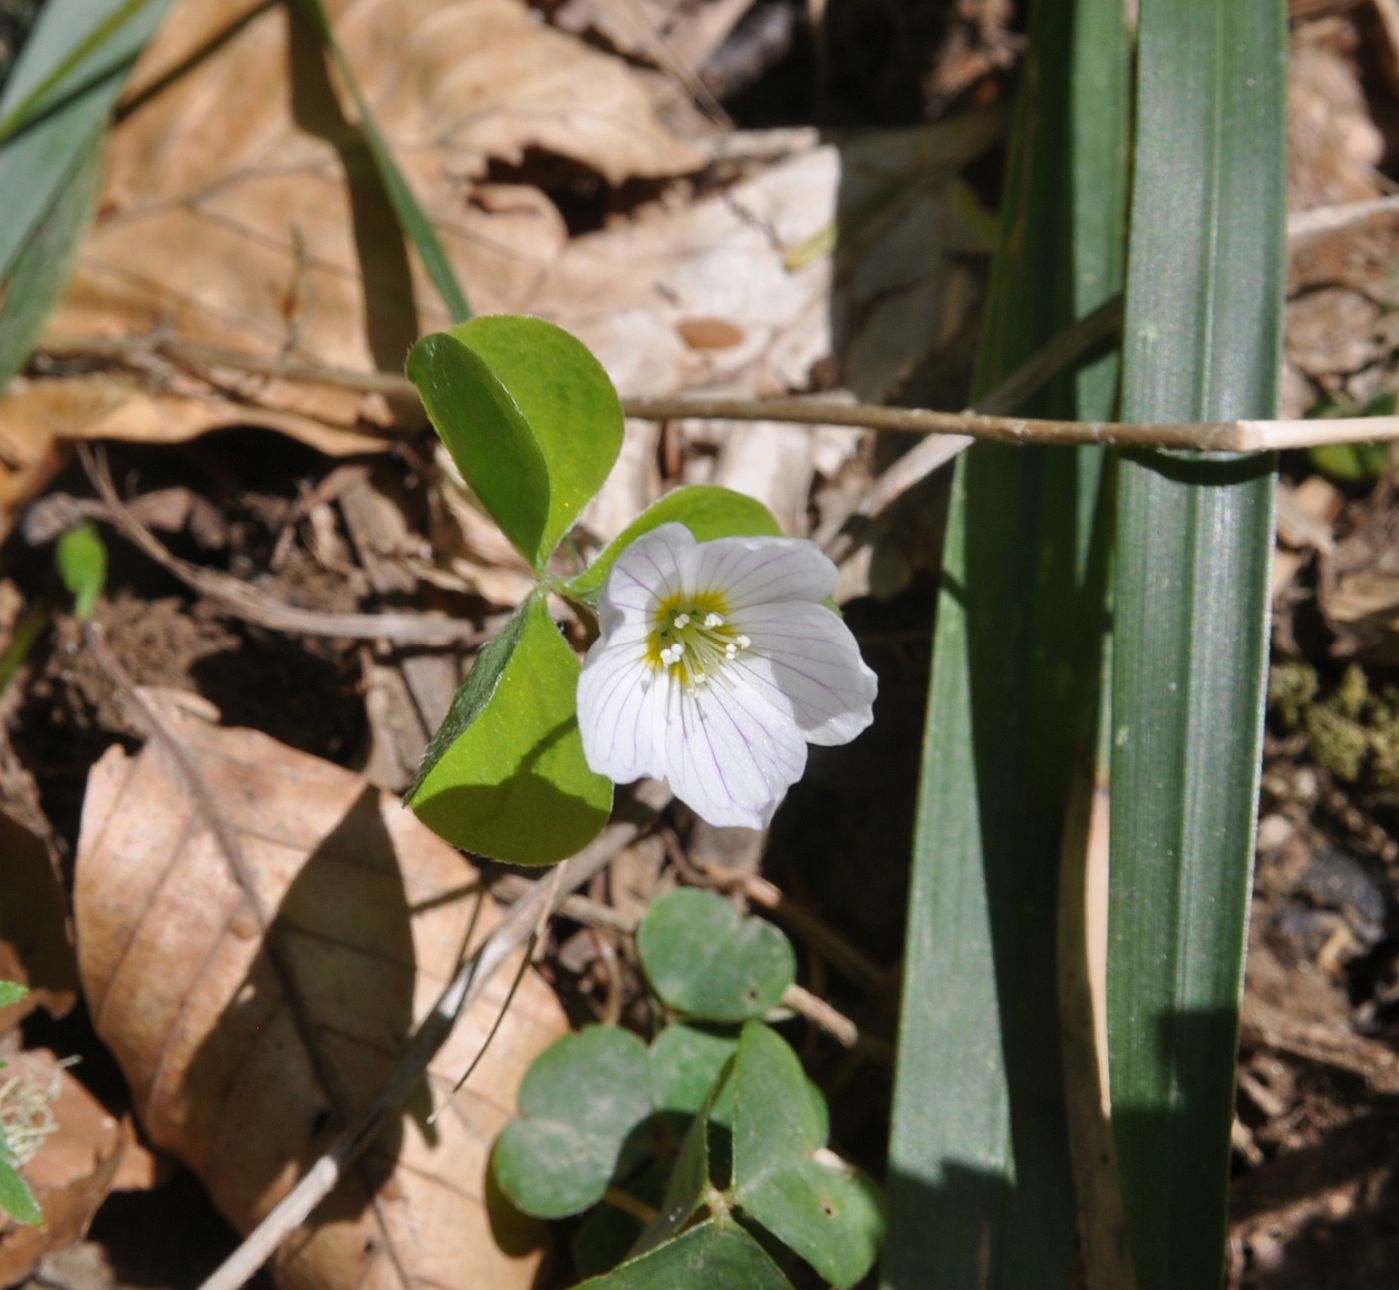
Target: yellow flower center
692,637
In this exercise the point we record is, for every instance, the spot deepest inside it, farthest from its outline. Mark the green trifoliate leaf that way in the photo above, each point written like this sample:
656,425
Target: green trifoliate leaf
717,1253
583,1104
505,775
530,418
686,1062
707,511
828,1213
705,960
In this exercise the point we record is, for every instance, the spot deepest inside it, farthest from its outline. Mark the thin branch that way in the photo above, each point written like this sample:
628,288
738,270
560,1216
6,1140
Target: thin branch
1207,436
514,930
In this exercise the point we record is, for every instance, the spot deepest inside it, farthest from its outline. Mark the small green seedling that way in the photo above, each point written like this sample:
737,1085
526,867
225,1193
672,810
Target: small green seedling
81,556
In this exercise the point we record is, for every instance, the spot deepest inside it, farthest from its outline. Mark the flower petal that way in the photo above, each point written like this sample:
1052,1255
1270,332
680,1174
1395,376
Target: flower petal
758,570
649,570
619,694
730,756
804,661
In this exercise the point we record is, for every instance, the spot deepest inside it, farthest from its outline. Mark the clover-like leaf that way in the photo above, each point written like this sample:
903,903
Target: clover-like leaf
505,775
581,1105
688,1183
706,510
704,960
717,1253
530,418
829,1214
686,1062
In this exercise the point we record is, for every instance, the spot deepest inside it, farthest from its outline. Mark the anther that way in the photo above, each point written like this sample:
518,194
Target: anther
681,621
743,642
713,620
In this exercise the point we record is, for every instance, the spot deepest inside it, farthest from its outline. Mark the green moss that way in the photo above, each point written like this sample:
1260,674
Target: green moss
1292,685
1352,730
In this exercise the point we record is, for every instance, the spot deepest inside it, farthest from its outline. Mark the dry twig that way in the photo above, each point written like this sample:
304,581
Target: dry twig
1206,436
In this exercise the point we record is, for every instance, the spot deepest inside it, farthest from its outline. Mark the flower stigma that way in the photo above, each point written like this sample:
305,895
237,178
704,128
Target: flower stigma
692,637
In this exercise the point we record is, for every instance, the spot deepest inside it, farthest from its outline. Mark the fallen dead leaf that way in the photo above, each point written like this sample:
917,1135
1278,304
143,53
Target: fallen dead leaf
72,1169
34,945
893,291
241,210
371,914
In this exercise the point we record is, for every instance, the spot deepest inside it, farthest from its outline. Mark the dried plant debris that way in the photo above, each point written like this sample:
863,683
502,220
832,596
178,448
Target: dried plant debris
69,1146
270,1035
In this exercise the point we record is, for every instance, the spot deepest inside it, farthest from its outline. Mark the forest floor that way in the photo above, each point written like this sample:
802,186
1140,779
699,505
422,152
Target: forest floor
333,502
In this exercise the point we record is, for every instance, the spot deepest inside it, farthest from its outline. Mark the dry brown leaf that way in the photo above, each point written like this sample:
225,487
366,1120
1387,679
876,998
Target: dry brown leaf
1334,145
72,1171
34,945
371,913
38,417
227,216
894,292
241,210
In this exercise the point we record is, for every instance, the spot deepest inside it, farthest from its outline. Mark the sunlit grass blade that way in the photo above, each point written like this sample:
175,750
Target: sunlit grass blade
56,100
980,1182
45,262
412,219
1194,536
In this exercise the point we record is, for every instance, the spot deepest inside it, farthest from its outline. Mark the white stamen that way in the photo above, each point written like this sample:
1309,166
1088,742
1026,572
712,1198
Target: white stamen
701,678
730,650
681,621
713,620
744,642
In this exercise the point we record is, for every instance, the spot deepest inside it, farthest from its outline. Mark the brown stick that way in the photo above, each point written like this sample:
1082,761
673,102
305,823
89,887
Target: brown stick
1206,436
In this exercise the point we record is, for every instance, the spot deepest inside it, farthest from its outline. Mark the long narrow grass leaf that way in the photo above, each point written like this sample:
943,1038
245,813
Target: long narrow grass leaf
981,1189
57,118
45,262
412,219
1201,340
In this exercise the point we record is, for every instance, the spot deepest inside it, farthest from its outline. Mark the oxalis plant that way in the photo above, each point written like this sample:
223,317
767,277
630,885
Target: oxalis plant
717,656
671,1148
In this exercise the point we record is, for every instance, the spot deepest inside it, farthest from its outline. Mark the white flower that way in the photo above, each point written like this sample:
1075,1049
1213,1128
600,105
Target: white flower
716,666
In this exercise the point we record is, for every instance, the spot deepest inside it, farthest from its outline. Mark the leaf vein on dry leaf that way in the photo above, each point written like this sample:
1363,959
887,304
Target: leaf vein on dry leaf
150,1102
189,829
449,1083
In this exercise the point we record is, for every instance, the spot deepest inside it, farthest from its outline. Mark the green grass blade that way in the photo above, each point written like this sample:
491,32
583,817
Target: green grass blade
1194,538
44,96
980,1179
56,103
412,219
45,262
